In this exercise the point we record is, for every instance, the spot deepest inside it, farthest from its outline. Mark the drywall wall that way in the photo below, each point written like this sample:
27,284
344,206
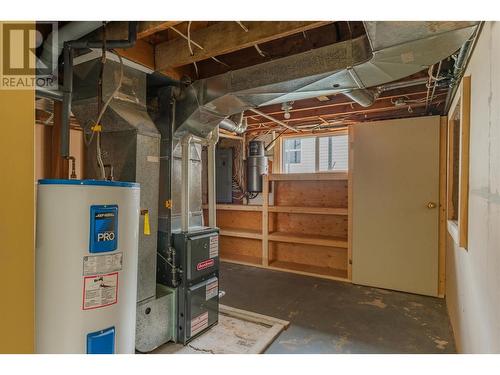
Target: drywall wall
17,220
473,275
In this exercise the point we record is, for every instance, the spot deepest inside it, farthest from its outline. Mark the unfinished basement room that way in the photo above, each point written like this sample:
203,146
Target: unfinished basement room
250,187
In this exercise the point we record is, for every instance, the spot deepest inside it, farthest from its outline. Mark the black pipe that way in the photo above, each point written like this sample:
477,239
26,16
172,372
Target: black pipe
69,47
165,124
67,95
110,44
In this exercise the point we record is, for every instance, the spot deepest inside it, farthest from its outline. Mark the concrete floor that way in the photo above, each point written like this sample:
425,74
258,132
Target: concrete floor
336,317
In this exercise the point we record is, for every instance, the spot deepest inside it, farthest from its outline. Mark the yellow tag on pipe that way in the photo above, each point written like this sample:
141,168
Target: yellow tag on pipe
96,128
147,229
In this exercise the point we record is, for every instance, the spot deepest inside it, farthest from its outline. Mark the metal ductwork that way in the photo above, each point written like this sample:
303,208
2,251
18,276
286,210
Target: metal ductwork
130,141
388,52
363,97
236,123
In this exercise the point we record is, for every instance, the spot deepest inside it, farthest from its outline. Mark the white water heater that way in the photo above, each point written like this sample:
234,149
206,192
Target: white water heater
86,266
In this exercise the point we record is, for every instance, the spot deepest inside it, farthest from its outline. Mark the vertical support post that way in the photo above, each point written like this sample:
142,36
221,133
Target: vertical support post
277,156
350,161
316,154
265,220
185,172
443,131
212,213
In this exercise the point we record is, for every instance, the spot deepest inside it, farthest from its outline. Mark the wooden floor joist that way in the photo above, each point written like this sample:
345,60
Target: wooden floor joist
226,37
147,28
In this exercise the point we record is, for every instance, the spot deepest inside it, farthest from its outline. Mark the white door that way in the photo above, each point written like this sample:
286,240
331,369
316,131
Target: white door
395,195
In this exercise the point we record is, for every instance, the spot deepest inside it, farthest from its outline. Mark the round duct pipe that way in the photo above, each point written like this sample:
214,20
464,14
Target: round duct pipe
363,97
238,125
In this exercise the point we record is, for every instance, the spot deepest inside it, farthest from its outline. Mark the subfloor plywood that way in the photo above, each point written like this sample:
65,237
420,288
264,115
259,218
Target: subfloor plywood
238,332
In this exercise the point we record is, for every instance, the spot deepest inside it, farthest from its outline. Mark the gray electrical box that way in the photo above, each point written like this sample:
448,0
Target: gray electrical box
224,175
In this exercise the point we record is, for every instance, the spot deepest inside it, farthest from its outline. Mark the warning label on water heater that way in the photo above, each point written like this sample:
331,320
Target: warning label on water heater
100,291
98,264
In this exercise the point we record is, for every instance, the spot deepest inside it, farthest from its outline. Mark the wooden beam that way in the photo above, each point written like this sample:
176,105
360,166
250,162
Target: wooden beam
147,28
142,53
226,37
463,190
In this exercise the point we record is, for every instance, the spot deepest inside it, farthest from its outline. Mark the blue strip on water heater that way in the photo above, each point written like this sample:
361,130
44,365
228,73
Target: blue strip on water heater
101,342
88,182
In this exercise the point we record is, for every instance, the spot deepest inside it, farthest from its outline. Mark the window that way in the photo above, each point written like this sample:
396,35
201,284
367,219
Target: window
292,151
333,153
315,154
458,164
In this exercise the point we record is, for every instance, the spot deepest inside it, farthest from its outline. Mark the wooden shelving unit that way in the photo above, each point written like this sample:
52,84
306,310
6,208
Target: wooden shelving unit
305,239
243,233
309,210
304,232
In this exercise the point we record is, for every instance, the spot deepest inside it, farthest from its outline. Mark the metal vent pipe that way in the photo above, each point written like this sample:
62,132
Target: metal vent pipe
387,53
363,97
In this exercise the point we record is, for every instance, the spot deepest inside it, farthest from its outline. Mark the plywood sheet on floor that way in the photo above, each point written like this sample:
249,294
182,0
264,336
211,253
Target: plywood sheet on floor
238,332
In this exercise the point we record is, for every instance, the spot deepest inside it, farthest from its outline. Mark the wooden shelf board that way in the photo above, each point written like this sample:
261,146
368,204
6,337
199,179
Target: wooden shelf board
308,176
309,210
308,239
299,269
236,207
245,260
243,233
309,270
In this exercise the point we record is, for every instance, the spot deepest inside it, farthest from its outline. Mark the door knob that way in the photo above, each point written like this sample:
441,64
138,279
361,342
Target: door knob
431,205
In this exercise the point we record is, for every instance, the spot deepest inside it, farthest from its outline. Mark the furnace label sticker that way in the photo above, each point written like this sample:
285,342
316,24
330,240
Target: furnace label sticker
205,264
199,323
99,264
100,291
214,246
212,290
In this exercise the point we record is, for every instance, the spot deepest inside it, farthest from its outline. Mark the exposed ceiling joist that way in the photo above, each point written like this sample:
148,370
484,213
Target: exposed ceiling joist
346,111
226,37
147,28
141,53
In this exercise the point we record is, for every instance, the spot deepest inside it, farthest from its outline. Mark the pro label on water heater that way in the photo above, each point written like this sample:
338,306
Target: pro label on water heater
103,228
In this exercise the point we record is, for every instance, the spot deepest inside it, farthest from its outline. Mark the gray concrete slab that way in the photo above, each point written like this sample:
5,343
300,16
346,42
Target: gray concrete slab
337,317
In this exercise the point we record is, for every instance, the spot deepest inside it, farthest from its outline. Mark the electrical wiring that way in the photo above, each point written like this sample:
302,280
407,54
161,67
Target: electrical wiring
106,104
191,43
